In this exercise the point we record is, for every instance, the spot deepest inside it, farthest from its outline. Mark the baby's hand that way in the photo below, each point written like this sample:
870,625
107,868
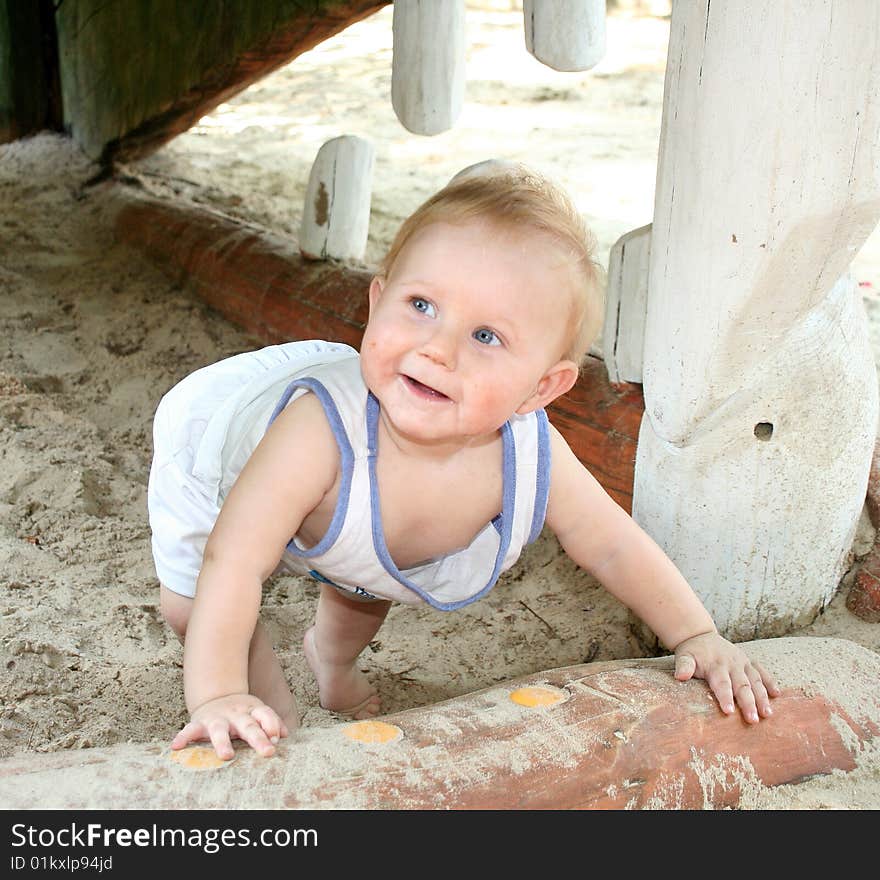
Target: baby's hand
729,673
235,715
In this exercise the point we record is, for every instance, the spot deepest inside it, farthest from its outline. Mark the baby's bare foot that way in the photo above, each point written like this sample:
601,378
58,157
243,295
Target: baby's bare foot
342,689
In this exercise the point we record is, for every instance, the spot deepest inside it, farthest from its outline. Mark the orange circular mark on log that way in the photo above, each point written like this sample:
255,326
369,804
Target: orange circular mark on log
372,732
538,696
199,758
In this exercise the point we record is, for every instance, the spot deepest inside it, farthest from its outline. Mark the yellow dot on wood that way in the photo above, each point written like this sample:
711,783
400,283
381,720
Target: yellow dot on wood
372,732
199,758
536,696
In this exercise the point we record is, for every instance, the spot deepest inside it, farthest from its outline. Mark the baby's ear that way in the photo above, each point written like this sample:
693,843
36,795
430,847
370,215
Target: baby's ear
554,383
377,285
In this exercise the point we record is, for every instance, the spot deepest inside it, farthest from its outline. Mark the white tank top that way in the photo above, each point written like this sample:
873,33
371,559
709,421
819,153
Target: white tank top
352,554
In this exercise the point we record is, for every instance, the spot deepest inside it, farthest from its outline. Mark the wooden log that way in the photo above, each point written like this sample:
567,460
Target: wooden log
336,213
566,35
600,422
428,64
626,304
612,735
188,61
259,282
760,384
263,284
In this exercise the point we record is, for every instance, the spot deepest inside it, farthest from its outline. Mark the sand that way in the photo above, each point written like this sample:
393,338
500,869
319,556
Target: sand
93,335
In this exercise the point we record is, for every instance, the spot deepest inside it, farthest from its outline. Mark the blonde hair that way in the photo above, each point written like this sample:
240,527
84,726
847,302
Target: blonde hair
514,198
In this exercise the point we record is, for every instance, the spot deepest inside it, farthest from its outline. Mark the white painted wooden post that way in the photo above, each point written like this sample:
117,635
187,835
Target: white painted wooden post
626,303
428,64
565,34
760,386
336,212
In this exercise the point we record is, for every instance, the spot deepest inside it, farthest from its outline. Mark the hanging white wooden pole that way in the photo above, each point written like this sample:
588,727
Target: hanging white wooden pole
760,385
626,303
336,212
565,34
428,64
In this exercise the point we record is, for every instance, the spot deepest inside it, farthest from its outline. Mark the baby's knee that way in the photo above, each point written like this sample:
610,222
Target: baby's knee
176,610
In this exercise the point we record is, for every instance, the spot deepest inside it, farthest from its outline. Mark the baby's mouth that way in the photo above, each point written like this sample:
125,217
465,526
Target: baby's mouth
422,390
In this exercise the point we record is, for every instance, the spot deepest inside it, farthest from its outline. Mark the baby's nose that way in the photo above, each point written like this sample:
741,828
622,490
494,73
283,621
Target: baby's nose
441,348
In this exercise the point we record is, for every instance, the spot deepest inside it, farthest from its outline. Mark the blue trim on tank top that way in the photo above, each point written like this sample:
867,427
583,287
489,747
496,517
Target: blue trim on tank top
542,478
508,499
346,456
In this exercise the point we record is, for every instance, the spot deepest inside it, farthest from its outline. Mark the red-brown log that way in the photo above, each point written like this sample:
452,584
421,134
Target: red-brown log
626,736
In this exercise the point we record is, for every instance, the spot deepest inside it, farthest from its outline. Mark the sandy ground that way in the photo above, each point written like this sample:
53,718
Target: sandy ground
92,336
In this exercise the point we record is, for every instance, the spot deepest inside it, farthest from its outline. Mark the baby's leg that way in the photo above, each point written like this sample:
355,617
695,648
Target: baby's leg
343,628
266,679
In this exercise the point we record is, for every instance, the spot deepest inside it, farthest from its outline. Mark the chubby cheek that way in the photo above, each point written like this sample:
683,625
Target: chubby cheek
489,399
371,367
377,354
511,389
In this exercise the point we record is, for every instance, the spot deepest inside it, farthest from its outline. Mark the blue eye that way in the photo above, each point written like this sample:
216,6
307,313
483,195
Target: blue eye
486,336
423,306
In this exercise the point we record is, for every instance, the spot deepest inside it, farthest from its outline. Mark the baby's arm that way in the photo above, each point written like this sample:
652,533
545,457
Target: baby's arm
603,539
289,473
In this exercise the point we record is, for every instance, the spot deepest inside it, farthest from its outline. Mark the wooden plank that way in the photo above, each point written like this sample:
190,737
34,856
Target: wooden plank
626,305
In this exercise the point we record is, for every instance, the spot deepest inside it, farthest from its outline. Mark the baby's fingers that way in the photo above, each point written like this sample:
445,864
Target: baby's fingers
196,731
761,689
685,667
268,719
192,732
218,732
746,699
248,728
769,681
721,686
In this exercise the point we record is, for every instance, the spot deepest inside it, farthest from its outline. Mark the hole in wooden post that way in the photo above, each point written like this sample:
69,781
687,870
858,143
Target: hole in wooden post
764,430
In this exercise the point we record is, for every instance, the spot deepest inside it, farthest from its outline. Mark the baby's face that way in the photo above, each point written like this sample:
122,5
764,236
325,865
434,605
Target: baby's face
464,329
